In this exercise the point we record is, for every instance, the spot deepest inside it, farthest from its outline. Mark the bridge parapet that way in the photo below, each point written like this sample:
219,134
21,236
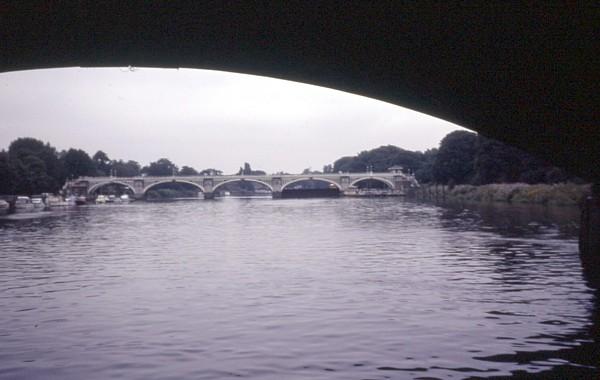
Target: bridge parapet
400,183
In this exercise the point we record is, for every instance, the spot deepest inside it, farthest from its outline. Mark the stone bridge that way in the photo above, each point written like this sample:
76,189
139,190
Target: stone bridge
397,183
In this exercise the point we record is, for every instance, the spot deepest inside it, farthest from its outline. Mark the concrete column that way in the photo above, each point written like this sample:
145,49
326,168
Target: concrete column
207,184
276,185
589,233
344,182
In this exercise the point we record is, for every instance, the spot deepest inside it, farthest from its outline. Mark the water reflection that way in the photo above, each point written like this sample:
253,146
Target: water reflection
295,289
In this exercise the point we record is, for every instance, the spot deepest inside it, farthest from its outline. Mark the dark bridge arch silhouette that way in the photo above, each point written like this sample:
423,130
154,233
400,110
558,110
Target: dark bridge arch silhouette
527,77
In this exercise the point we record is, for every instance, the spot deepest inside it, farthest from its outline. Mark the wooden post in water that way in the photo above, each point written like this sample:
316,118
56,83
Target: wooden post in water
589,235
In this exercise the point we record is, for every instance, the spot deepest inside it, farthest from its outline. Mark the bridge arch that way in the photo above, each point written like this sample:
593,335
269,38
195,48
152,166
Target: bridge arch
97,186
216,187
378,179
150,186
339,187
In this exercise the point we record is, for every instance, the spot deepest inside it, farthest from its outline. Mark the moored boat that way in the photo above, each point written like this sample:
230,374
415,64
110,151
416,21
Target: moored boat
4,207
101,199
71,200
38,204
54,202
80,201
23,204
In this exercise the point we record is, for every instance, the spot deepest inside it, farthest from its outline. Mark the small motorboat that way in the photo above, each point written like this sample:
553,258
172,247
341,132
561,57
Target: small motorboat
80,201
101,199
124,198
23,204
54,202
38,204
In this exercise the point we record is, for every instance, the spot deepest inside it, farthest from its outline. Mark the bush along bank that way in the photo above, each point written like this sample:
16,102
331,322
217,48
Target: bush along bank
561,194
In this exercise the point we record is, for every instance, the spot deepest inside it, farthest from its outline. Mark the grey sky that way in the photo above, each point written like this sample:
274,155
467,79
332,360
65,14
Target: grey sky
204,118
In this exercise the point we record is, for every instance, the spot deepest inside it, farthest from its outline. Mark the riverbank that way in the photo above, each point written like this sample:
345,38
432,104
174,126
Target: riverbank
562,194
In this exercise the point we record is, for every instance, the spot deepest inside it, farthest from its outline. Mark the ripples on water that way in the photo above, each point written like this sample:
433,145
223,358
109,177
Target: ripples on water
294,289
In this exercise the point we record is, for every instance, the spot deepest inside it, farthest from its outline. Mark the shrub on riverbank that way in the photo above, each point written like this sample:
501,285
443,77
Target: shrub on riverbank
557,194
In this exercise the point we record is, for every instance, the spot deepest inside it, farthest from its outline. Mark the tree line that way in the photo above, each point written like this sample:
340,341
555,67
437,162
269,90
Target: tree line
30,166
462,158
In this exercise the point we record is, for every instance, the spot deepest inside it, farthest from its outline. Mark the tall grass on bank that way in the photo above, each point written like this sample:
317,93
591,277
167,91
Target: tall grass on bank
562,194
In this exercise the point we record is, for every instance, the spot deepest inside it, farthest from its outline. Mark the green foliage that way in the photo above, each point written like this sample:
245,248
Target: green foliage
379,160
555,194
35,166
126,169
424,173
462,158
78,163
247,170
162,167
455,158
103,163
187,170
8,175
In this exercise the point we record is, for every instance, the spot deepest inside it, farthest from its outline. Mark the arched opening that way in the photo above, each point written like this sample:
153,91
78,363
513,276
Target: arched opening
173,190
109,192
370,186
311,188
243,188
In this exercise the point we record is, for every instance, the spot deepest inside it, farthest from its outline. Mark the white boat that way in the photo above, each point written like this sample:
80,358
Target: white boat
38,204
54,202
23,204
4,207
101,199
110,199
125,198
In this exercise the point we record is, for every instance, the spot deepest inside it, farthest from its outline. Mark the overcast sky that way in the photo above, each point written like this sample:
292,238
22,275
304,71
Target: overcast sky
204,119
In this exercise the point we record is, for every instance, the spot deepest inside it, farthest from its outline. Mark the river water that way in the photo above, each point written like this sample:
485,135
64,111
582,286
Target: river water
295,289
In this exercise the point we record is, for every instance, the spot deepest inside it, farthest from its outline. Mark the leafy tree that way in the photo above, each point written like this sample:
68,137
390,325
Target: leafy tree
327,168
247,170
348,164
32,176
425,172
25,147
103,163
126,169
455,158
187,170
379,160
162,167
77,163
8,176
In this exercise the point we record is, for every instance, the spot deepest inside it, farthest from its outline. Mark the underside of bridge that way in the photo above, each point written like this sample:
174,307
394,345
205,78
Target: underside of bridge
527,77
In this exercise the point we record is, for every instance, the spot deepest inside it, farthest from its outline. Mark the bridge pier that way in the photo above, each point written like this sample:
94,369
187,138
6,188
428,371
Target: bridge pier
589,235
209,195
276,194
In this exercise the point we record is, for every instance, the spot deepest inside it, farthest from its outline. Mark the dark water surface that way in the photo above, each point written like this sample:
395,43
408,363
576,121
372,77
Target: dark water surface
295,289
